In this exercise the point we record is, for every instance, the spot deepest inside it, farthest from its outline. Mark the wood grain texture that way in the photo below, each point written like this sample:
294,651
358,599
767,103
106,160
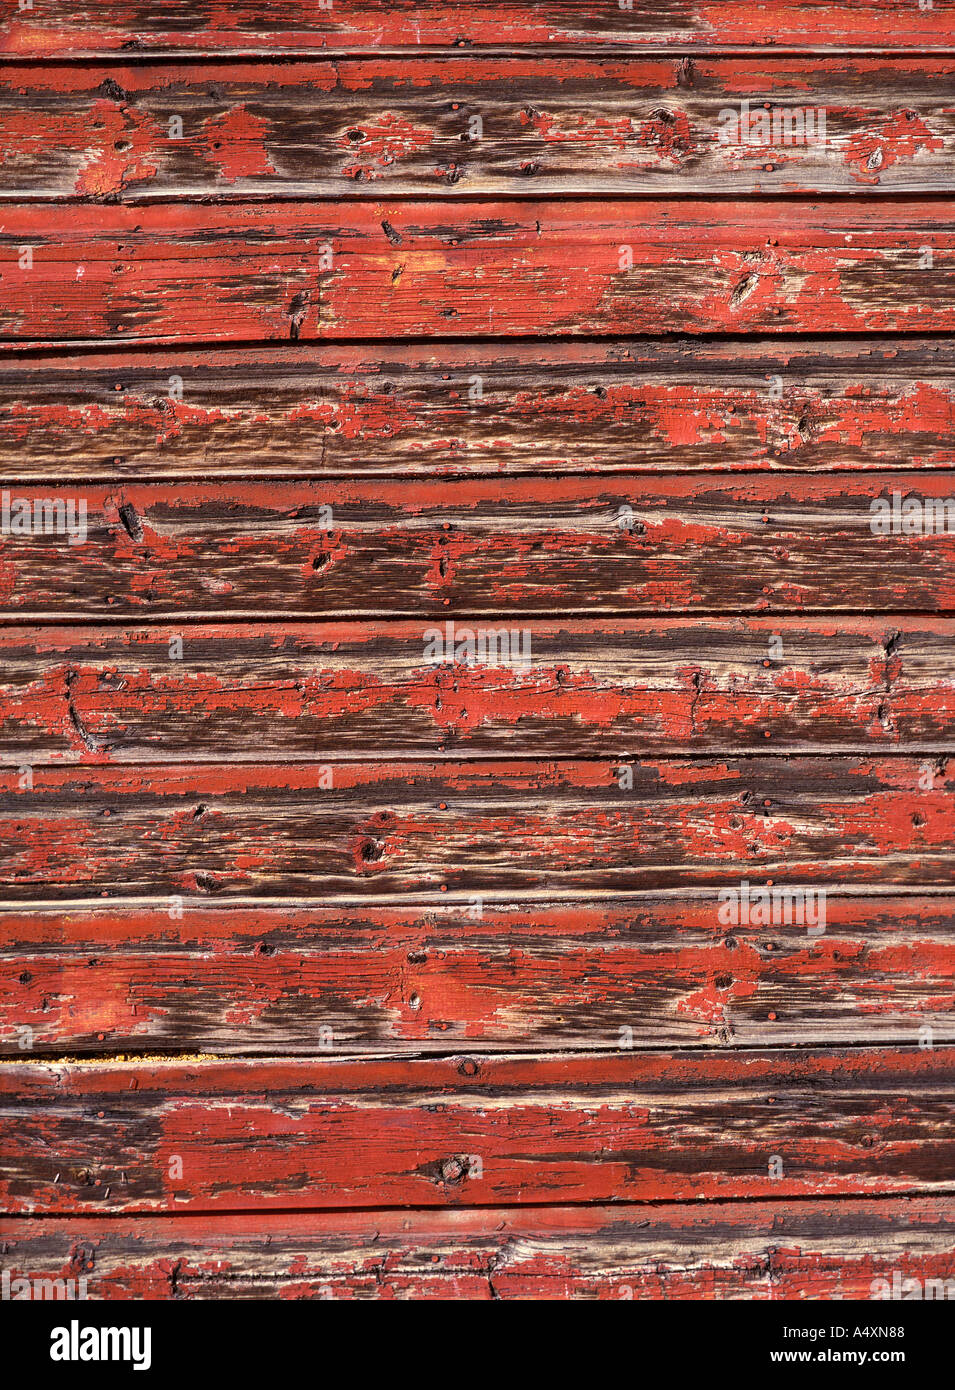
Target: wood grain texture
366,1133
271,692
443,550
244,272
398,973
313,411
376,828
241,26
311,979
818,1249
550,126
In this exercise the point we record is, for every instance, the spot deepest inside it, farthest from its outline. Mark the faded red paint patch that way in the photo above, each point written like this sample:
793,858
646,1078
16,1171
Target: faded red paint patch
903,136
381,143
237,143
123,154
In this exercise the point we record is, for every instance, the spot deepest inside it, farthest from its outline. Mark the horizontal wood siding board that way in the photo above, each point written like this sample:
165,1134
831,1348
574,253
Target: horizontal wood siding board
279,692
474,1130
249,272
555,126
820,1248
578,407
240,26
644,972
475,828
440,548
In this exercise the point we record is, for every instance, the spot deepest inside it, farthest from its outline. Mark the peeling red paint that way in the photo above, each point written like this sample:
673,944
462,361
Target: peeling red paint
236,139
778,1249
235,26
298,863
903,136
377,1132
488,269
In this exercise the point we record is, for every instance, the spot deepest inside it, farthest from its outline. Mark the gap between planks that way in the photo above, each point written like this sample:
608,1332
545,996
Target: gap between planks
272,1214
133,1057
63,906
597,52
15,349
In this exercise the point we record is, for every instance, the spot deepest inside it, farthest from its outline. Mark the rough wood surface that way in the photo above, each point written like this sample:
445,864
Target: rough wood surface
303,692
446,550
310,979
336,962
377,828
549,126
474,1130
716,1250
242,26
808,405
186,273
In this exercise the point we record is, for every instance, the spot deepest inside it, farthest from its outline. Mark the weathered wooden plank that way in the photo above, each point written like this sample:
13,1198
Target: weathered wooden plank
407,126
241,26
312,979
443,549
244,272
475,828
474,1130
272,693
579,407
718,1250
